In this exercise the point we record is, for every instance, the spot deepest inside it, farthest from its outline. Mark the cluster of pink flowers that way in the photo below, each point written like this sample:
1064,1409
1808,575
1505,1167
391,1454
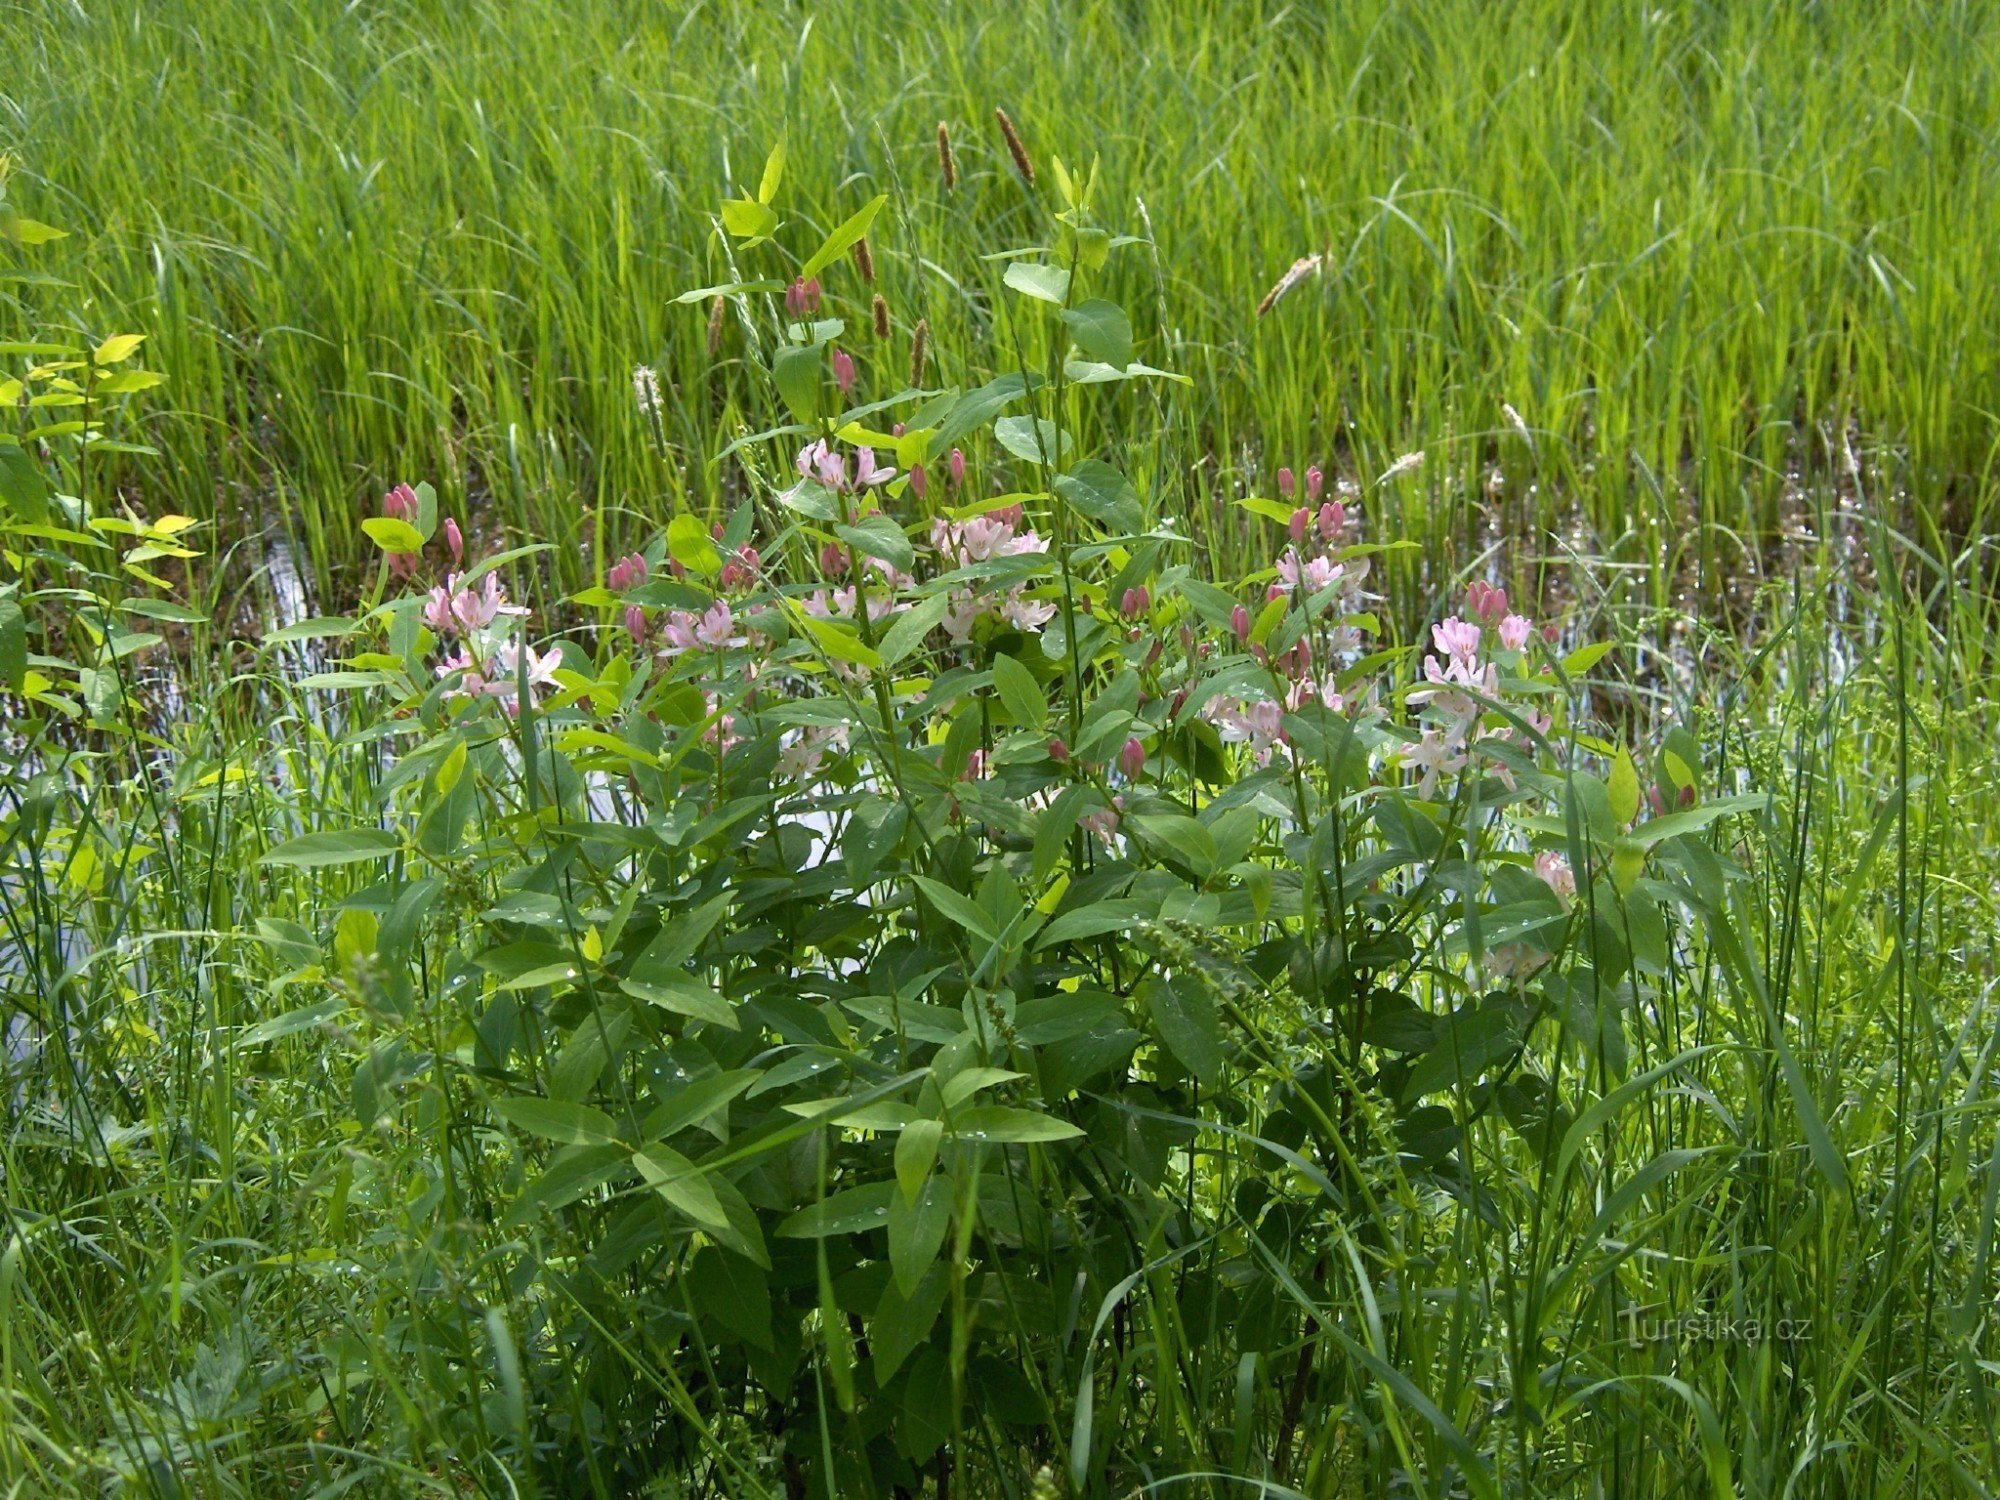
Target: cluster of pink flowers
714,629
454,608
981,539
497,673
1460,683
486,660
827,467
401,504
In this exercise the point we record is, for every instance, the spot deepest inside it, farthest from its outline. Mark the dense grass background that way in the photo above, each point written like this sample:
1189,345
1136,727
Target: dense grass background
1692,245
1702,250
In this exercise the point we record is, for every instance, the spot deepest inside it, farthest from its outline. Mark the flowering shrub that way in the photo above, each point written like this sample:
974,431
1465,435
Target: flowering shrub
859,934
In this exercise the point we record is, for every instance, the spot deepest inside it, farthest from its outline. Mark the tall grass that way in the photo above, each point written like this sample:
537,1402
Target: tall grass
1684,244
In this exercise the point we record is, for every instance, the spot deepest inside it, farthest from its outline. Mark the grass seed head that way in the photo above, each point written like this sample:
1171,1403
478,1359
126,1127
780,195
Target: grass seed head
1015,148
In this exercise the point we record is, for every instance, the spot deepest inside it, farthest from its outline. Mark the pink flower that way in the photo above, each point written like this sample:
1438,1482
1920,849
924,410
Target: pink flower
800,756
866,474
1315,482
629,572
716,629
1514,631
1332,517
802,297
1484,602
1556,874
635,622
1307,575
1239,621
1301,519
1132,757
843,371
1287,485
741,571
1102,822
400,504
1024,614
1457,639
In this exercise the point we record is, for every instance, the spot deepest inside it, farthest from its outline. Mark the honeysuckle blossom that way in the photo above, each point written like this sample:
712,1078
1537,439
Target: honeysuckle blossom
1259,725
498,675
714,629
629,572
1556,874
802,751
819,462
453,608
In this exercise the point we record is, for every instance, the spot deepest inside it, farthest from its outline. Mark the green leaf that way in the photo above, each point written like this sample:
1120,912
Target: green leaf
1006,1126
1027,703
911,626
393,535
854,1211
690,545
1102,331
916,1154
1043,283
23,491
118,348
902,1321
747,219
844,238
774,171
13,646
556,1120
696,1101
795,370
1096,490
916,1231
312,851
1184,1015
1030,439
680,1182
839,641
960,909
1624,789
878,536
684,998
735,1292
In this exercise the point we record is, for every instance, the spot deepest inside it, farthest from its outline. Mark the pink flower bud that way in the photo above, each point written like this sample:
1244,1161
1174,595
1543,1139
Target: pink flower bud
1301,519
635,622
1058,751
957,467
1315,482
1135,603
454,540
1552,632
1332,517
833,560
897,430
1153,656
1239,621
802,297
1287,485
843,371
400,504
918,481
1132,757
